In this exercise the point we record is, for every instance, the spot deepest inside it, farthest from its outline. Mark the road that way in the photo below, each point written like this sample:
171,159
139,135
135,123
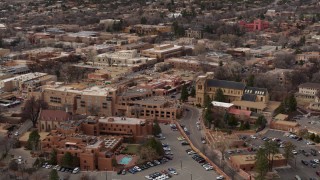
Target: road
190,117
189,120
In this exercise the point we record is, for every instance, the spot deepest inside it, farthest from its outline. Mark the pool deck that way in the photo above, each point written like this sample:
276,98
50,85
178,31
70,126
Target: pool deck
131,163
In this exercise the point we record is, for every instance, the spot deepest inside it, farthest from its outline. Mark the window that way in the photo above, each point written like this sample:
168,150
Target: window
200,87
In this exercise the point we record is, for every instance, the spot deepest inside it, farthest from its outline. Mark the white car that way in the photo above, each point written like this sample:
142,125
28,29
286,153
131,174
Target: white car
16,133
317,161
220,177
48,166
310,143
76,170
191,152
185,129
253,137
137,168
148,177
294,152
167,148
207,167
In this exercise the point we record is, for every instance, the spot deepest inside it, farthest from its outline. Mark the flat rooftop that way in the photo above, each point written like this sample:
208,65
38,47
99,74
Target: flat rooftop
25,77
94,90
251,159
154,50
122,120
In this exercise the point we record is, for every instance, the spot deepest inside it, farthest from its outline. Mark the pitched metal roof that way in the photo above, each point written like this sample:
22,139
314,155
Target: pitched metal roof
225,84
249,97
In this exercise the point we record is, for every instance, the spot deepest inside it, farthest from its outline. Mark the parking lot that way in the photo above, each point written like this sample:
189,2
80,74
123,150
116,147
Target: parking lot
186,167
297,168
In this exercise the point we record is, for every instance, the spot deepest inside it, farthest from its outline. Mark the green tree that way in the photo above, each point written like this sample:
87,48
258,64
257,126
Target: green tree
143,20
261,121
207,101
53,157
288,148
232,121
208,117
219,96
312,136
156,145
246,125
177,29
261,164
193,92
75,161
156,128
250,80
184,93
53,175
272,148
292,103
33,140
67,159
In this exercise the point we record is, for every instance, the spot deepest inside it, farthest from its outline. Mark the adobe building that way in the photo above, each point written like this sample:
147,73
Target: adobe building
80,99
163,51
140,103
191,64
94,153
247,162
131,129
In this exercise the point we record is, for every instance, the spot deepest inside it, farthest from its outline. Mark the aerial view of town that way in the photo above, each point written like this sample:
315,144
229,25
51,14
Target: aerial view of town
159,89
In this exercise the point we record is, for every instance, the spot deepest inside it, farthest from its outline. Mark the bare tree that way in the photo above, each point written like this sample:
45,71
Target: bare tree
284,60
222,146
32,109
199,49
91,56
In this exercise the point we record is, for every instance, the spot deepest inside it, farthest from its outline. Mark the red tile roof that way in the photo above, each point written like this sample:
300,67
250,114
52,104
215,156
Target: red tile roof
239,112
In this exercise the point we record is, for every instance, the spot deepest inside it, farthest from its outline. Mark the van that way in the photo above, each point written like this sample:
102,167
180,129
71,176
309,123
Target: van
297,177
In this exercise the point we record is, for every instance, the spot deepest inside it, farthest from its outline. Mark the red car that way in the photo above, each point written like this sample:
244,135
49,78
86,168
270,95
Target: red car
318,173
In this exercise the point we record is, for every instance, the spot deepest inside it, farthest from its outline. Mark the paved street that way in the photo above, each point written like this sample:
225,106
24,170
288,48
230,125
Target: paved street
190,168
189,119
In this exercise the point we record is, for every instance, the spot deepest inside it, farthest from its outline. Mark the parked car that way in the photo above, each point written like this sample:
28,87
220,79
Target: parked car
184,143
172,171
304,162
76,170
220,177
294,152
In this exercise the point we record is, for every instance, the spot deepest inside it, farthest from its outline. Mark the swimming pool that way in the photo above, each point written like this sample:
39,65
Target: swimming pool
125,160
